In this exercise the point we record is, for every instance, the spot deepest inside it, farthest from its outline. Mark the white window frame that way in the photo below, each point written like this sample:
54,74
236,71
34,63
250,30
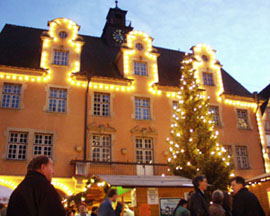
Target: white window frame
141,110
17,95
208,79
240,118
57,99
140,68
60,57
144,150
45,148
99,107
104,150
20,145
216,115
241,157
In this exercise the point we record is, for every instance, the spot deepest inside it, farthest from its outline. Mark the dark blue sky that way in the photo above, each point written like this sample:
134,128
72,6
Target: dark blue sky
238,29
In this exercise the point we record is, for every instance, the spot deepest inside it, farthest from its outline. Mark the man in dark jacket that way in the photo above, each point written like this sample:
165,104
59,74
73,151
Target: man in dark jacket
198,205
35,195
245,203
106,208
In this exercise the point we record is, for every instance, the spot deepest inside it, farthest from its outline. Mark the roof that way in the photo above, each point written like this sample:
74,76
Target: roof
21,47
146,181
265,94
264,175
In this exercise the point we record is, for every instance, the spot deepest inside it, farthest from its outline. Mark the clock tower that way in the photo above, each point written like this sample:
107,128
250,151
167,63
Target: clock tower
116,27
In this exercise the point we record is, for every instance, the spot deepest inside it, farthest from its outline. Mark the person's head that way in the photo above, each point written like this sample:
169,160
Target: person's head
1,206
71,213
82,207
95,209
237,184
183,203
217,197
112,195
42,164
200,182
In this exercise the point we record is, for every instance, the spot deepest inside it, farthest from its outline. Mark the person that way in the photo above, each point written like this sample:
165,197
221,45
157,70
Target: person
216,208
197,204
82,209
181,208
94,211
35,195
118,210
71,212
245,203
227,204
3,210
106,208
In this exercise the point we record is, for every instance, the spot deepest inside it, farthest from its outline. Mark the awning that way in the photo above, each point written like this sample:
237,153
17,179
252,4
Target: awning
146,181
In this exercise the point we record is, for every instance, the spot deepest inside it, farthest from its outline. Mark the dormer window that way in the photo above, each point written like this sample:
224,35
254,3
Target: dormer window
60,57
63,34
208,79
140,68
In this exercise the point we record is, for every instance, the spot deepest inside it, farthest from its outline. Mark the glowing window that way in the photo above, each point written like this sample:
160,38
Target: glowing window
242,119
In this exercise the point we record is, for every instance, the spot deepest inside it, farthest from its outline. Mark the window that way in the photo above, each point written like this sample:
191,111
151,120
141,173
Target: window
101,148
175,105
208,79
57,100
267,125
144,150
11,95
142,107
60,57
17,143
43,144
101,104
63,34
242,116
140,68
139,46
215,112
242,157
228,149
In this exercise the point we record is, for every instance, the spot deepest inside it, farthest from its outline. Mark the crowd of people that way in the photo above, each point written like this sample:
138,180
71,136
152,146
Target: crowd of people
243,202
36,196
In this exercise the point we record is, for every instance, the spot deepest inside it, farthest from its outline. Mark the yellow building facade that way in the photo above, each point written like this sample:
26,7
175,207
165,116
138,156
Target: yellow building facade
130,86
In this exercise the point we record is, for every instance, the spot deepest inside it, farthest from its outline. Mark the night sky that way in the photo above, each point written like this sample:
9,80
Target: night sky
237,29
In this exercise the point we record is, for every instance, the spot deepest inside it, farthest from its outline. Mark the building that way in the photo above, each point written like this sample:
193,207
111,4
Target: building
260,184
103,106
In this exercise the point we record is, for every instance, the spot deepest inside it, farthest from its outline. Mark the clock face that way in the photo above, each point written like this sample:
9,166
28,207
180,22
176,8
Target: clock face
119,36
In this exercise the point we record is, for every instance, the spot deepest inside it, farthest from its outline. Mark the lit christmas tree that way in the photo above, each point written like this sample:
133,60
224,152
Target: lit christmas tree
193,144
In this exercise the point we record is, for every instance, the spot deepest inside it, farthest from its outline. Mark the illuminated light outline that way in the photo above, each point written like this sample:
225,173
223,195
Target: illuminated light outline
128,53
204,49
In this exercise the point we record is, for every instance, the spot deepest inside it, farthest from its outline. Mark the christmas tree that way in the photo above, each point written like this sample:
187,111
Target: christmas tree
193,144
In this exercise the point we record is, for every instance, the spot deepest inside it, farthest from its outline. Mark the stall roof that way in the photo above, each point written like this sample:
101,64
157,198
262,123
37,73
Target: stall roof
146,181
